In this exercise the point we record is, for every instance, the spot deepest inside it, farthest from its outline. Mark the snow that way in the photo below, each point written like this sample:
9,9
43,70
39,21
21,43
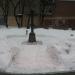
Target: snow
56,52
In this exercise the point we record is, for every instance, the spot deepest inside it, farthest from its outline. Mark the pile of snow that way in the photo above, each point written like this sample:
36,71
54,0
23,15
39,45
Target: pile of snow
56,53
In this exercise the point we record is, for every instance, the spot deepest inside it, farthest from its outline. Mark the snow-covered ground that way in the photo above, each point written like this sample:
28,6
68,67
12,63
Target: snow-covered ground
54,51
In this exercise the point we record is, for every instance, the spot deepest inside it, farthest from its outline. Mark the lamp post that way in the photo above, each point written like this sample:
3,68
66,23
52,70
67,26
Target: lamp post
32,37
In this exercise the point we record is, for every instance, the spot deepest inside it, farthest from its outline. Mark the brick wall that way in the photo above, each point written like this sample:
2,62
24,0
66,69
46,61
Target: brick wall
65,8
64,16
